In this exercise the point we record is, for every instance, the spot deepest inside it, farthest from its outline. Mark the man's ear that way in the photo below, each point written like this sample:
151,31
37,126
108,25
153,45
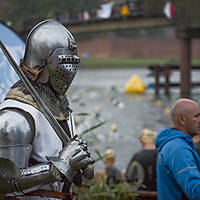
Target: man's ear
181,119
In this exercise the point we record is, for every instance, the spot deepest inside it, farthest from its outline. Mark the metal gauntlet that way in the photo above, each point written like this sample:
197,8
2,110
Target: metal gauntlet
73,157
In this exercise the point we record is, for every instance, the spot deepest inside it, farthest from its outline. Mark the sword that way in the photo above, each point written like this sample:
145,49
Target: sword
44,109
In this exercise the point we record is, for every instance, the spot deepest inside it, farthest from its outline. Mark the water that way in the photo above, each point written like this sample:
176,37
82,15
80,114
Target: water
101,94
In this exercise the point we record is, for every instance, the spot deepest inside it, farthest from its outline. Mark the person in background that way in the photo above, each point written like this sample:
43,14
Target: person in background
178,164
141,170
125,10
196,141
110,173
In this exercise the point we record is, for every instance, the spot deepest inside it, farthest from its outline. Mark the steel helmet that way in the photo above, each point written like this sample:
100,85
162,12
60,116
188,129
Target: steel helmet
51,53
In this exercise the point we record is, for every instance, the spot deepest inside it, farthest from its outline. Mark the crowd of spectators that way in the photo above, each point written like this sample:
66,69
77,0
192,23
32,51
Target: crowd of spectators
109,9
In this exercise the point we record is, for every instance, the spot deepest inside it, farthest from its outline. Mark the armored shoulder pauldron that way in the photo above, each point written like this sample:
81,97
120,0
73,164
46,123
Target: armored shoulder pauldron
59,107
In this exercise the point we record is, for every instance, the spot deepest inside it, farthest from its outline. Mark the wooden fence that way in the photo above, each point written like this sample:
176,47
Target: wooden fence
166,70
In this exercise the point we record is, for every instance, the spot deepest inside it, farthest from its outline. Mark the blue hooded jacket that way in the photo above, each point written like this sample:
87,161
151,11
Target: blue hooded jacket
178,166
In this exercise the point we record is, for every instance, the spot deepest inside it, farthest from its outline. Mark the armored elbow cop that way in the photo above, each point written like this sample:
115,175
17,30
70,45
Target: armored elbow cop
15,181
51,54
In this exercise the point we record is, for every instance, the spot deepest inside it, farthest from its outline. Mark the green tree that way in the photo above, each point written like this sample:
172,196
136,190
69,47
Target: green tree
18,12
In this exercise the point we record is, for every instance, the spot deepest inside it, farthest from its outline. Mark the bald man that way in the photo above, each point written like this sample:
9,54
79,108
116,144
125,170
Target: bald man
178,165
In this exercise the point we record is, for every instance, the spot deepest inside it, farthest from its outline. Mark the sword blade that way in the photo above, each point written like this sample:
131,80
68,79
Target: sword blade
43,108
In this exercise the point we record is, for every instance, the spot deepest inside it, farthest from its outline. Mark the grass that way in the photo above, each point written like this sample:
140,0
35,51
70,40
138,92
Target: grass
130,62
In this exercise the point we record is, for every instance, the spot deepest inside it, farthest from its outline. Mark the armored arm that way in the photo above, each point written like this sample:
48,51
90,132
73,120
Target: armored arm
15,181
16,136
16,177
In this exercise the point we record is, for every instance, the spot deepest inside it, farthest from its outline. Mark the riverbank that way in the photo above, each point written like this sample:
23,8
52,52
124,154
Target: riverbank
93,63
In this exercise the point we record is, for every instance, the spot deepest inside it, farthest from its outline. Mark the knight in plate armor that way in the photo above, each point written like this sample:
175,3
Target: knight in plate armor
33,159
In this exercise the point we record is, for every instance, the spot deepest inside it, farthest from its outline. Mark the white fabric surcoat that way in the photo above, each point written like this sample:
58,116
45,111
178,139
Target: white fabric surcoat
45,141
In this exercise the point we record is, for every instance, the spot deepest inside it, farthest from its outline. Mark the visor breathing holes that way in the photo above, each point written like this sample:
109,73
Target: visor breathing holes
62,72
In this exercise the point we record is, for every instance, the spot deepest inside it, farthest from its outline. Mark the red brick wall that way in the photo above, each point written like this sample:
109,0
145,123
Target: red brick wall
113,46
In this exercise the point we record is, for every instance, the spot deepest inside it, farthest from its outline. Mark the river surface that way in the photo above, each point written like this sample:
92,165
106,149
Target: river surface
100,95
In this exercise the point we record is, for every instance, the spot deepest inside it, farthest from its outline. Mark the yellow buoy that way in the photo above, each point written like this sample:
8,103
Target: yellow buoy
135,85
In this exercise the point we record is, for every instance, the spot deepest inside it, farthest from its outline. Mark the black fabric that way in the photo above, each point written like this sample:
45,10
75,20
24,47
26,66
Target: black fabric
197,148
113,175
184,197
64,125
147,158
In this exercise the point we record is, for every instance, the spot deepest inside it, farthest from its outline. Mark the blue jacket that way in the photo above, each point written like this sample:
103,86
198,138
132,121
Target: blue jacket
178,166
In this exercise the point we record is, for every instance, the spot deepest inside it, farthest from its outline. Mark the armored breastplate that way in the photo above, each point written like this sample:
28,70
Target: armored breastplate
59,107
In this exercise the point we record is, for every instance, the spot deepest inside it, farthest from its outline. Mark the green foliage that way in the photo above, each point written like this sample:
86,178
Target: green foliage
21,11
153,7
102,191
187,14
92,128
